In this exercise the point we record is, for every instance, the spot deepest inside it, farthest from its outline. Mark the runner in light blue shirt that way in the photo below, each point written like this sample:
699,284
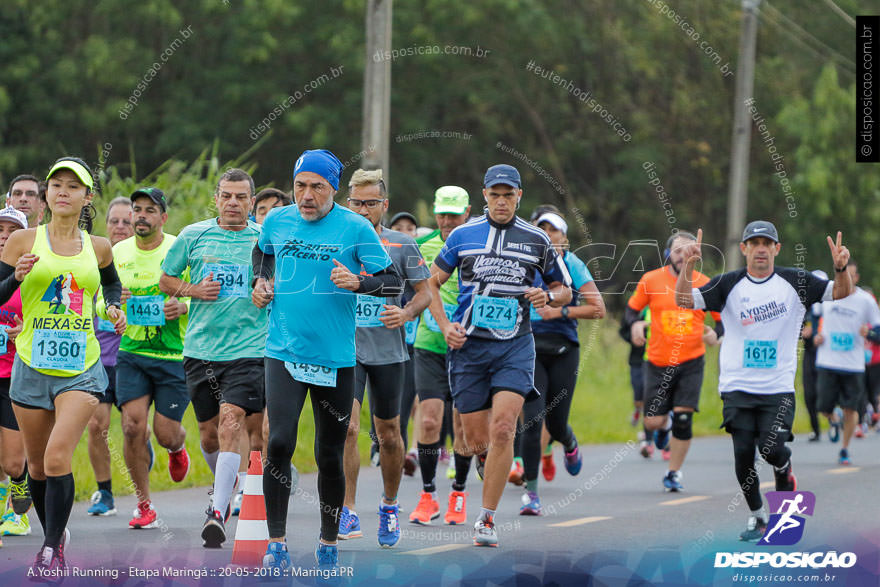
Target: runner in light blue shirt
310,261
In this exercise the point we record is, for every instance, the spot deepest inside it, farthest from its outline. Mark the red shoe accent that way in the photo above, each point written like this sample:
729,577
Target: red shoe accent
178,464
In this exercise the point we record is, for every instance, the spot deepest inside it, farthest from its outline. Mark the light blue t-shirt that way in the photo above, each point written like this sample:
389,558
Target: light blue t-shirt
313,321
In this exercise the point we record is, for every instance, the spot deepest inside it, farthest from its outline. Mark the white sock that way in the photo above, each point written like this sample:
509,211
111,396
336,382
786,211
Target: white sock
211,459
224,479
242,475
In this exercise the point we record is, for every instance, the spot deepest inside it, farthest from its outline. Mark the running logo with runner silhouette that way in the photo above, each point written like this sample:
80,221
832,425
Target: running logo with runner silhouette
786,525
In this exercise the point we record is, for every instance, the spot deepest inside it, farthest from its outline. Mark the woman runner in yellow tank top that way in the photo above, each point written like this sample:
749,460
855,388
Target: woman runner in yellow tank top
56,374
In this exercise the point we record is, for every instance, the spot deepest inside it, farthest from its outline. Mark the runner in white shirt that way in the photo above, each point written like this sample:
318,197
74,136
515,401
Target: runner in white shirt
762,308
840,360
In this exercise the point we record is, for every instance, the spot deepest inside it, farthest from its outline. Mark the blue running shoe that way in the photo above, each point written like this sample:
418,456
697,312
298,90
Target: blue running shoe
844,457
672,481
327,556
573,461
102,504
661,439
389,525
834,427
531,504
349,525
277,560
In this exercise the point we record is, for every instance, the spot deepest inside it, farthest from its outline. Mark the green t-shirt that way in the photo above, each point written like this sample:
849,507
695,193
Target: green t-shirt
147,333
427,338
230,327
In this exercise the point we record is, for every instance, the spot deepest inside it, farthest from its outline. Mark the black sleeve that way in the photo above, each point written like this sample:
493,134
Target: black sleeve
111,285
810,289
715,292
263,263
383,284
719,329
629,318
8,282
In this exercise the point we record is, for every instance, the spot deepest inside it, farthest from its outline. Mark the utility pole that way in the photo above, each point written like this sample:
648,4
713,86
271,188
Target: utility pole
377,88
737,198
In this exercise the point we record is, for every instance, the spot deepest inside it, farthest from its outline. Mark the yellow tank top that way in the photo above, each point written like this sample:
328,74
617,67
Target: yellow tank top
58,337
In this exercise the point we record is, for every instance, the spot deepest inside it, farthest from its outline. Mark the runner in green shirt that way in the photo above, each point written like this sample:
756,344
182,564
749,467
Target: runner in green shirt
148,366
451,209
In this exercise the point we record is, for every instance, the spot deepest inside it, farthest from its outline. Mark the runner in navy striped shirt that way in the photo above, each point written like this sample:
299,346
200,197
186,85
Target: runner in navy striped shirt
491,359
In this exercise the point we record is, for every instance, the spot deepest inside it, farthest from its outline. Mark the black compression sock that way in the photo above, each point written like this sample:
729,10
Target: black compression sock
428,456
38,495
59,501
462,467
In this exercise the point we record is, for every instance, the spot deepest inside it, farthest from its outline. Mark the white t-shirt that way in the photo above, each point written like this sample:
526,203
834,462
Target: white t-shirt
762,324
843,348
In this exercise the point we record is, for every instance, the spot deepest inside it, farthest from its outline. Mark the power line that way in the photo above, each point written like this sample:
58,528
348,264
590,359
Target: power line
846,17
803,33
794,37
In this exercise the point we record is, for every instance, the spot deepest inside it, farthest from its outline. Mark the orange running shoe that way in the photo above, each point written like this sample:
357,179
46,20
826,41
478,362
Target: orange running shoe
456,513
428,509
516,472
548,467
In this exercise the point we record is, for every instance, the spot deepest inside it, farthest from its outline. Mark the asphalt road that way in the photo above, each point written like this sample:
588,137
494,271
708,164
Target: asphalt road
613,523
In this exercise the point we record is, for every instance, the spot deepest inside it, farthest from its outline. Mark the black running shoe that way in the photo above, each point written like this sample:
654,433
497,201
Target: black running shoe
214,531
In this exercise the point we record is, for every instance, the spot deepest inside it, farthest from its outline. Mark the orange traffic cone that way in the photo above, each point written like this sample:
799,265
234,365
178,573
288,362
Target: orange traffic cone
252,532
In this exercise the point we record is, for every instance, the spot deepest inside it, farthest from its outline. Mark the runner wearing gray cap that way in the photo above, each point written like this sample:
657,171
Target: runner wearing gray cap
762,308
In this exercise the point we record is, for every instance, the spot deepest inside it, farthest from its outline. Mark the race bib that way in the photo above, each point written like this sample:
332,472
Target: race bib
759,354
677,322
533,313
366,314
105,325
312,374
497,313
145,310
411,328
4,337
431,324
842,341
58,349
233,279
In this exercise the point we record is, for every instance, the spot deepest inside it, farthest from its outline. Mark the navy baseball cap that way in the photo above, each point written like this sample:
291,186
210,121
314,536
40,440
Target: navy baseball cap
760,228
506,174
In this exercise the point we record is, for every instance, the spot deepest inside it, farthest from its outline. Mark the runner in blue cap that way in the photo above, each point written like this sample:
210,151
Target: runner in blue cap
308,263
492,350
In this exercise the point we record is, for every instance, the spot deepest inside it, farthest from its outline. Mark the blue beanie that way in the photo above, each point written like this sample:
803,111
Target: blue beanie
322,162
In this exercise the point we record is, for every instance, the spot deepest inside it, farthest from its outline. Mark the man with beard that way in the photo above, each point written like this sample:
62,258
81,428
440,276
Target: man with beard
310,260
382,359
674,368
148,364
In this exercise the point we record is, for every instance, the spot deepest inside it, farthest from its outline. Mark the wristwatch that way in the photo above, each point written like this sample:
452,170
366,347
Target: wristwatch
549,297
564,311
